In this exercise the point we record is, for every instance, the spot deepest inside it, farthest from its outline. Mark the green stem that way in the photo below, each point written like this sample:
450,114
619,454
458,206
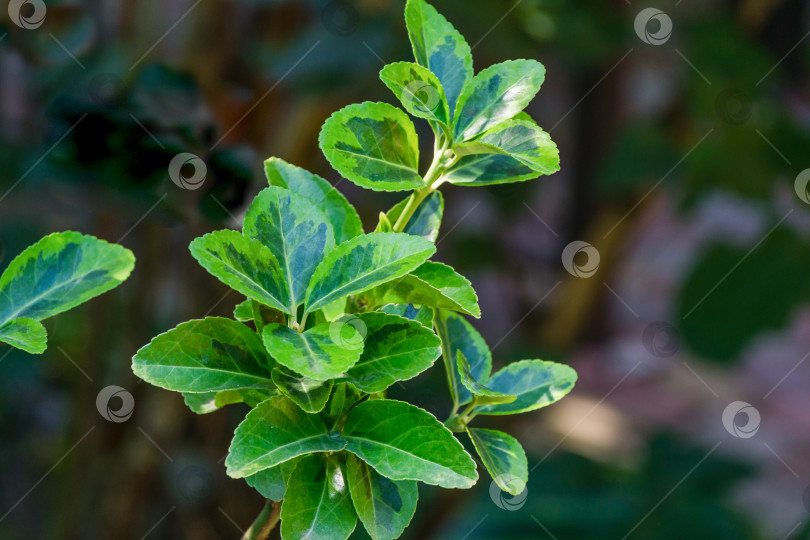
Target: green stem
432,180
257,316
264,523
413,203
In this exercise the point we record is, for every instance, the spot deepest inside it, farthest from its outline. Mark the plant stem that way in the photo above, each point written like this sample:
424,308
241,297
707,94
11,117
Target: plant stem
432,181
413,203
264,523
257,316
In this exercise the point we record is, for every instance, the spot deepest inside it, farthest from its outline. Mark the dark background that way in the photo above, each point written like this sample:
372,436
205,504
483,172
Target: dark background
679,166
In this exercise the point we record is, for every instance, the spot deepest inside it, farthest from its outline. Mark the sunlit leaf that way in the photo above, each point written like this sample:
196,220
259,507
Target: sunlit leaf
374,145
535,383
274,432
341,214
503,457
207,355
297,233
438,46
25,334
396,349
496,94
322,352
403,442
364,262
245,265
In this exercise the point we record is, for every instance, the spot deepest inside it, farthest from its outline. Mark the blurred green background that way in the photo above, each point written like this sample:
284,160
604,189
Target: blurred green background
681,165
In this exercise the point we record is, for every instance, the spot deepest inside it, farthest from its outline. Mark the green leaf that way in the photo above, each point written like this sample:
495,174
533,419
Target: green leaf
374,145
208,402
438,46
60,272
317,505
396,349
419,90
274,432
207,355
523,141
483,395
496,94
385,506
341,214
343,398
432,284
269,483
297,233
272,483
309,394
459,335
489,170
25,334
245,265
322,352
243,312
364,262
426,219
503,457
536,383
404,442
422,315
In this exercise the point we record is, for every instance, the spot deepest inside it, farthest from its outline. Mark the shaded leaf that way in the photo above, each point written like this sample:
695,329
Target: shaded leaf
25,334
309,394
208,402
488,170
419,90
426,219
403,442
274,432
245,265
438,46
536,383
322,352
422,315
459,335
374,145
396,349
364,262
317,505
504,458
483,395
385,506
496,94
432,284
207,355
343,398
341,214
272,483
297,233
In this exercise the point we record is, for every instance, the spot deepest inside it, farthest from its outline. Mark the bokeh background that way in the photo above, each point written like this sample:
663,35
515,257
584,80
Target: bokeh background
682,157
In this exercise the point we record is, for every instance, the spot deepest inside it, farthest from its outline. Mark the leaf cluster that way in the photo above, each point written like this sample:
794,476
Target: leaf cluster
334,316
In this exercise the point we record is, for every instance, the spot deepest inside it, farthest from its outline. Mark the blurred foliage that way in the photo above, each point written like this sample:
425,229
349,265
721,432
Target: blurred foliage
577,499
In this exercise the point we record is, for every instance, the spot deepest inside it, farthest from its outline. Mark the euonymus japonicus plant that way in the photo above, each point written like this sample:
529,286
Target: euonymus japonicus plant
54,275
334,317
